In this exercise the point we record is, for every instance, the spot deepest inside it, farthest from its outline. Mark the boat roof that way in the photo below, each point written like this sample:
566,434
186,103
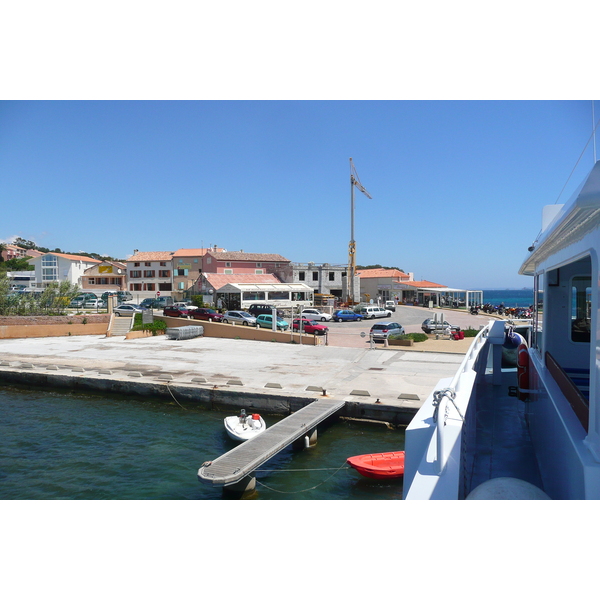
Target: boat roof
574,221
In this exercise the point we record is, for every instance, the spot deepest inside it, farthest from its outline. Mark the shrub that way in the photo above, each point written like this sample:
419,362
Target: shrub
470,332
156,325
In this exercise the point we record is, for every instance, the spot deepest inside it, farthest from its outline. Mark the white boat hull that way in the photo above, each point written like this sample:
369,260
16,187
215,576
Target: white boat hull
242,430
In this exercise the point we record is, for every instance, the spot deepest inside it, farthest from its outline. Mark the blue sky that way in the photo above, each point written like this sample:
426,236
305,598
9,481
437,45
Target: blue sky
457,186
204,124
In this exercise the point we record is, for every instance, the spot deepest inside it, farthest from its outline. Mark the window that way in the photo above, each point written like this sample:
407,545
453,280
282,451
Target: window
258,265
149,273
135,264
227,264
538,311
135,274
228,271
315,275
147,264
135,287
258,272
581,308
331,276
165,273
279,295
253,296
149,287
301,275
163,264
181,285
91,281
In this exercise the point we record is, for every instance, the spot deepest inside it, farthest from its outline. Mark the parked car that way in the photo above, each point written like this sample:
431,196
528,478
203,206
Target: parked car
81,299
374,312
390,305
430,326
309,326
94,304
147,303
185,304
263,309
267,322
126,310
239,317
316,315
381,331
205,314
346,315
175,311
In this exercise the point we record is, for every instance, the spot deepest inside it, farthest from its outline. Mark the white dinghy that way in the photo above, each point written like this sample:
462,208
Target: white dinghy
243,427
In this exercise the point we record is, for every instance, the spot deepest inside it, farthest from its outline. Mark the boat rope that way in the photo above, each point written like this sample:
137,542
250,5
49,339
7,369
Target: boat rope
291,470
170,392
306,489
437,398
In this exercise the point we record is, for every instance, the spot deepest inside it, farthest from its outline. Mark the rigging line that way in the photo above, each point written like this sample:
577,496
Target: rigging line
300,491
580,156
592,136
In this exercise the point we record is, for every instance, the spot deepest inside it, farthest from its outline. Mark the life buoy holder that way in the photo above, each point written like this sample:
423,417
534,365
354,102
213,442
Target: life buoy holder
522,372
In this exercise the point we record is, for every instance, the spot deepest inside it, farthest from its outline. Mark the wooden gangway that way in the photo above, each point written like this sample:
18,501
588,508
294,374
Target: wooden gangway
242,461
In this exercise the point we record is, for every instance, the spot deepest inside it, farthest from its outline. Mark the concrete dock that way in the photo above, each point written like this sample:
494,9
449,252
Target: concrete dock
381,383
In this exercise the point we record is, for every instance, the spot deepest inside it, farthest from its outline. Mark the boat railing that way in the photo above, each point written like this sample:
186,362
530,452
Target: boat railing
454,399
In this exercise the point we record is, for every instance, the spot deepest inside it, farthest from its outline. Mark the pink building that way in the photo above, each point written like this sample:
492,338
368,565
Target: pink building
235,263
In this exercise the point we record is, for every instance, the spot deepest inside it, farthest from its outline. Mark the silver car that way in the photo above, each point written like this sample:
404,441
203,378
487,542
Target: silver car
239,317
126,310
381,331
314,314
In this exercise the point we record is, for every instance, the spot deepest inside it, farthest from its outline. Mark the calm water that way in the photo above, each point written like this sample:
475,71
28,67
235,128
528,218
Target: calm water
510,298
62,445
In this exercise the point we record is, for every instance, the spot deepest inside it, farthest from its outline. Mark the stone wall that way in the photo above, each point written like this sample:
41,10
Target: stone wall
42,326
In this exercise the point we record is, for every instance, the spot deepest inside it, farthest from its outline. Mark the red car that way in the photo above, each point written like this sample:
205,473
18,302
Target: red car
310,326
205,314
175,311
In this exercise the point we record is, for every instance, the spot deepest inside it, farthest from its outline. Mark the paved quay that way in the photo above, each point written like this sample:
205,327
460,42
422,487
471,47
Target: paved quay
224,369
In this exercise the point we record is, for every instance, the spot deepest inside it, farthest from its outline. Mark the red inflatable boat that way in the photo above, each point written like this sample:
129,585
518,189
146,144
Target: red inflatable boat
386,465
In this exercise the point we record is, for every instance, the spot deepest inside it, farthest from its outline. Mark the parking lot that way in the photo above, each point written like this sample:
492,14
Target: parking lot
348,334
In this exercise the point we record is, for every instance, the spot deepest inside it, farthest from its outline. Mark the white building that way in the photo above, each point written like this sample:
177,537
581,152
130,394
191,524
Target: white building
55,268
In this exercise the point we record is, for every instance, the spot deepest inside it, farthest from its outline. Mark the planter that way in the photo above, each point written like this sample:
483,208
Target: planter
400,342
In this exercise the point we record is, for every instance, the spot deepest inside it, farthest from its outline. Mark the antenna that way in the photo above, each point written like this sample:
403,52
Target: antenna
594,130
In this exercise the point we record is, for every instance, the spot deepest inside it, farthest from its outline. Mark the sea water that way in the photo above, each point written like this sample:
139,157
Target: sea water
522,298
64,445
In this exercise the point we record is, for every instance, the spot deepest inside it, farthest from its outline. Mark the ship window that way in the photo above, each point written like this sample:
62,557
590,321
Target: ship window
581,306
538,311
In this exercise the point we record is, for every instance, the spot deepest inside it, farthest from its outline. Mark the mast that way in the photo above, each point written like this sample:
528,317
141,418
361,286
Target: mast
354,181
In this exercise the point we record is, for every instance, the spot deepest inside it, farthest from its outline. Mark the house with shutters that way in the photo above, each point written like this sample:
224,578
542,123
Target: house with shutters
188,267
149,273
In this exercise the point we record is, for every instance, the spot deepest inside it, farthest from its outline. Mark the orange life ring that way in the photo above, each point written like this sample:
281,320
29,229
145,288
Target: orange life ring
522,372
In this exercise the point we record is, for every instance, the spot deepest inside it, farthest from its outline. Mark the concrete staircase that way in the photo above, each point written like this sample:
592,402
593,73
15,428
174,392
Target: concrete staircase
121,326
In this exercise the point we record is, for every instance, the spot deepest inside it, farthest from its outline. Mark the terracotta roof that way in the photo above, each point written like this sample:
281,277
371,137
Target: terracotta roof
423,284
249,256
75,257
218,280
372,273
150,256
196,251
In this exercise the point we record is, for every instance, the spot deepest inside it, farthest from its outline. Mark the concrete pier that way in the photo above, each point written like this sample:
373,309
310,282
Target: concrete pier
381,384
